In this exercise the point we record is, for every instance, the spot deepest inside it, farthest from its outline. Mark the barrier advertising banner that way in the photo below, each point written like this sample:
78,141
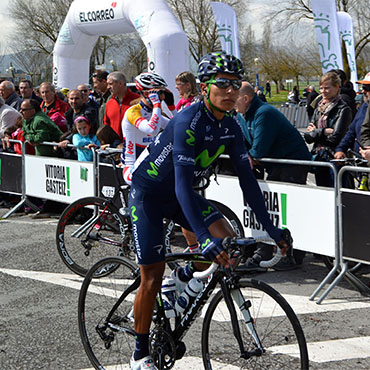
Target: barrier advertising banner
227,27
296,207
58,179
327,34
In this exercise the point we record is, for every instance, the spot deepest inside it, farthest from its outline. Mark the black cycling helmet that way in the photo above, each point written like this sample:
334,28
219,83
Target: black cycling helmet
219,62
148,81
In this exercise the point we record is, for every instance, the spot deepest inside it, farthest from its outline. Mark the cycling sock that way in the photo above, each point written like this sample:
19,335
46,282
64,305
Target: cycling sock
142,346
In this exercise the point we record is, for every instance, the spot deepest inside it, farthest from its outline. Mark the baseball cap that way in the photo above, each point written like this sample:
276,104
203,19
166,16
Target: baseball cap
366,80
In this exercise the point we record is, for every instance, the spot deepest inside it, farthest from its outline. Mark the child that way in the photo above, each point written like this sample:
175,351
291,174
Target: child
108,138
84,137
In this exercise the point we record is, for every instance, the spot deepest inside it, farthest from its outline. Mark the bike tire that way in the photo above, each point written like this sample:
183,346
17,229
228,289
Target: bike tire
175,242
106,331
275,322
90,229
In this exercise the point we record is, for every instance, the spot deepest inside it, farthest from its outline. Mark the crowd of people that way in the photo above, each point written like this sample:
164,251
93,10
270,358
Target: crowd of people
167,148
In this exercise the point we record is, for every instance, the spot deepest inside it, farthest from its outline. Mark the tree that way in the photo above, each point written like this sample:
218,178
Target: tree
290,13
197,21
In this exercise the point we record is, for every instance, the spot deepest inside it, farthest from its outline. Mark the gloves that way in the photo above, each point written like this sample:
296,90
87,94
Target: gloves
168,98
154,98
211,248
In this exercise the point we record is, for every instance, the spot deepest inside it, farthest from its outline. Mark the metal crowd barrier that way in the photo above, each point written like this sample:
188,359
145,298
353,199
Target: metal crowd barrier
297,115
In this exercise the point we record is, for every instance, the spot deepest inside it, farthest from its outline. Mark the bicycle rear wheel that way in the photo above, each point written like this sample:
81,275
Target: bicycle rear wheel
90,229
105,313
276,325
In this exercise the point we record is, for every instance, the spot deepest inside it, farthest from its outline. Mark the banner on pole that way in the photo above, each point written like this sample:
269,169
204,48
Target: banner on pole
227,28
327,34
346,32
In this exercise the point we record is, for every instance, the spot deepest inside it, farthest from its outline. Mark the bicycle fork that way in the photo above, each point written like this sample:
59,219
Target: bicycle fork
231,294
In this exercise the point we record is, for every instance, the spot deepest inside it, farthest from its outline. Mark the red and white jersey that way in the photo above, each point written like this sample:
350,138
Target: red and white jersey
139,127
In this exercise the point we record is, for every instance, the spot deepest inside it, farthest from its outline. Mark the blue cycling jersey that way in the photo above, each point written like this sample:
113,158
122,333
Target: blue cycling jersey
191,142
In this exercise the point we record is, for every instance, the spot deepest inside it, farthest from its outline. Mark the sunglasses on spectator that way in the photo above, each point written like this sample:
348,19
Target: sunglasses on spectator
24,109
224,83
84,90
366,87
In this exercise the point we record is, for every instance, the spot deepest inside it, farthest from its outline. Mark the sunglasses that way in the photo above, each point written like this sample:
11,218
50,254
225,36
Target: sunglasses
84,90
224,83
366,87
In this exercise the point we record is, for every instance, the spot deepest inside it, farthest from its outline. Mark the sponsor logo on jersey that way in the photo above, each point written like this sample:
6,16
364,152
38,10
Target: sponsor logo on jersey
153,123
130,147
208,138
205,160
153,172
195,120
183,158
191,139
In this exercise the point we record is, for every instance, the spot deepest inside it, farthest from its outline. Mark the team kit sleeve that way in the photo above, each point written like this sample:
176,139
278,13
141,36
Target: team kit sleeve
249,185
184,161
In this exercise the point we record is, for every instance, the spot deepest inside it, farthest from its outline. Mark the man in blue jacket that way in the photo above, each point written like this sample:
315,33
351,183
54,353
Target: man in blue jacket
269,134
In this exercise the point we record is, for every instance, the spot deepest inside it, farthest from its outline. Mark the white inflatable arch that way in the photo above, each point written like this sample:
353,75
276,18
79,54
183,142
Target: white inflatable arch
166,42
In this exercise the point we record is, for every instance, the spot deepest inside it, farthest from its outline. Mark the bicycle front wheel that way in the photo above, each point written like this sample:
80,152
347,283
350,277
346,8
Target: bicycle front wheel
90,229
276,325
105,313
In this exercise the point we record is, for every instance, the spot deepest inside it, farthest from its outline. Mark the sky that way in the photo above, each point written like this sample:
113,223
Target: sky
6,23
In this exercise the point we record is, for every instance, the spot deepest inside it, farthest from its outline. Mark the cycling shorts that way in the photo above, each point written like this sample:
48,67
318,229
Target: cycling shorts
147,214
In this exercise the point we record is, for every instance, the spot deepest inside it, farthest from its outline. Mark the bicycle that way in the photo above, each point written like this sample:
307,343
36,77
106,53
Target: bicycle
247,324
94,227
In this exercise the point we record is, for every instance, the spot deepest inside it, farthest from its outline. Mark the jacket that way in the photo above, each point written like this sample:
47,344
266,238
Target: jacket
354,131
270,134
41,128
14,101
339,119
59,106
365,129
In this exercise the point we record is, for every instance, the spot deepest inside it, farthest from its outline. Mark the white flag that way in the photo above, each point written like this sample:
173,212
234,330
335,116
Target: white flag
227,28
346,32
327,33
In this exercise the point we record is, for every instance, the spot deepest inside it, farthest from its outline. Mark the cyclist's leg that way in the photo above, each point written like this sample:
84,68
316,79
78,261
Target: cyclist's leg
147,223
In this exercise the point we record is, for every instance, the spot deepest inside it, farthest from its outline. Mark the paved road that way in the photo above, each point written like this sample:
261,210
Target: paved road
38,301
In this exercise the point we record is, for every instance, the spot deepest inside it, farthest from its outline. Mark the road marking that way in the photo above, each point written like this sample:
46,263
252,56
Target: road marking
333,350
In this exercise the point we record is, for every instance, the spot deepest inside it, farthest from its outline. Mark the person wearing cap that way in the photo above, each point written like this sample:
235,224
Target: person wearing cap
365,129
354,130
162,186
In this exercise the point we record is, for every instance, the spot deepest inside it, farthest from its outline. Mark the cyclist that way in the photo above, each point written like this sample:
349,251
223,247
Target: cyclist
144,120
162,186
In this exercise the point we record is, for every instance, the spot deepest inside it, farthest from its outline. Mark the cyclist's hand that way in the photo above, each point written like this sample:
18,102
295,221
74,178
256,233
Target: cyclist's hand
286,241
154,98
213,250
339,155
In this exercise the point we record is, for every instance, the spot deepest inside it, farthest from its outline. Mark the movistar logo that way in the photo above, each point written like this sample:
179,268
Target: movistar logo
153,172
205,243
191,140
205,159
207,212
134,217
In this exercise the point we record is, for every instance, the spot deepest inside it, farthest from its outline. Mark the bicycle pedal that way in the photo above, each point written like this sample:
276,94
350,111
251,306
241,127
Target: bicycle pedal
180,350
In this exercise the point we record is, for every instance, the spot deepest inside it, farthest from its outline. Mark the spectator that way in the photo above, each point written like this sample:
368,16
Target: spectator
294,95
7,91
268,89
51,103
108,138
8,116
79,108
347,93
26,90
354,130
310,108
330,121
84,139
122,99
38,127
16,133
365,129
269,134
101,87
87,99
186,85
260,94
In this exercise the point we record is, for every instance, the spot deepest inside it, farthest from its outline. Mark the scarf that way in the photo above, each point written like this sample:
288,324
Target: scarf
324,110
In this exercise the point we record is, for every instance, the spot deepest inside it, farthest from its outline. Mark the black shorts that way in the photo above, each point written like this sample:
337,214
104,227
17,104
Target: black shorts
147,213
